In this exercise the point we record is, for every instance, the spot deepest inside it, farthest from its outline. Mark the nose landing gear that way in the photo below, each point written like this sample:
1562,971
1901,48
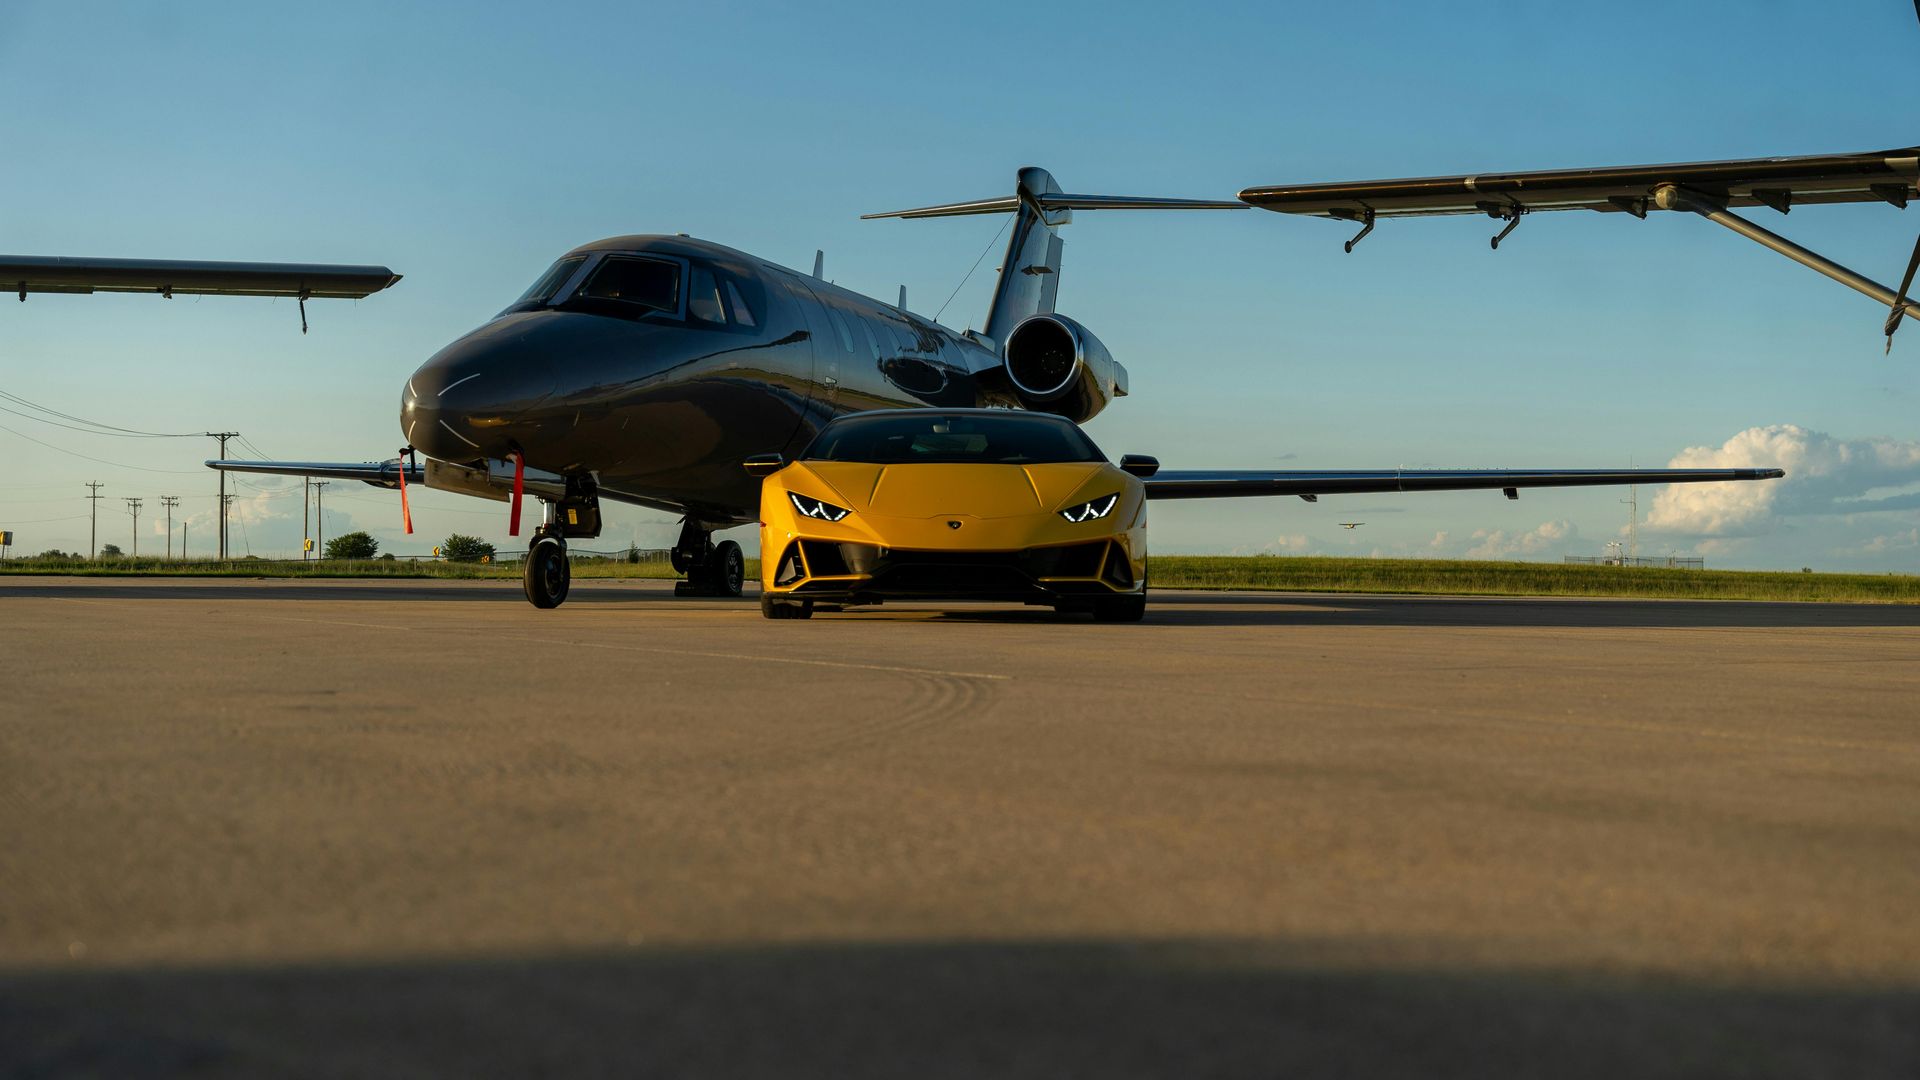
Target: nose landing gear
548,575
712,569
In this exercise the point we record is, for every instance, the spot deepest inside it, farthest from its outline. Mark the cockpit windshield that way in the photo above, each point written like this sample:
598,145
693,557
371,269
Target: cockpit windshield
914,435
550,282
653,284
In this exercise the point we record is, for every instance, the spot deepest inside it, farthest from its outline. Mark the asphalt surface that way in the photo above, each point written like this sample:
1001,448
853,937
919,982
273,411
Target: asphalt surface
420,828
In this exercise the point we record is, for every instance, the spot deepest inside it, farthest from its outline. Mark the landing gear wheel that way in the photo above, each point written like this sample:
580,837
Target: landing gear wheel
778,609
548,575
726,569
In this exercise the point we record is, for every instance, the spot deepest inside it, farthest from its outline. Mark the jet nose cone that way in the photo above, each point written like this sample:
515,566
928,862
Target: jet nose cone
478,397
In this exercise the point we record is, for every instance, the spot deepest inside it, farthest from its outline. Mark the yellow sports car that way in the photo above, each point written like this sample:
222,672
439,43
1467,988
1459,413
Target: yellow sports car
953,504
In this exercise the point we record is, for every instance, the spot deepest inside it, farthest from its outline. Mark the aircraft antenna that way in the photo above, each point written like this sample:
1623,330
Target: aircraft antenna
976,266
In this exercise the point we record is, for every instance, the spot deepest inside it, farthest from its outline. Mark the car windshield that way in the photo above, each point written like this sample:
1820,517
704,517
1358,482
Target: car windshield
911,435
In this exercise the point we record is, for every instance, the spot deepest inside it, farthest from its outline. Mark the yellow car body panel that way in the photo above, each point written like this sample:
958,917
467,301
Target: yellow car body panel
952,531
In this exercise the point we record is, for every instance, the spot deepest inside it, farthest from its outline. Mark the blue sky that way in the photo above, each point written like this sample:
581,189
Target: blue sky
467,145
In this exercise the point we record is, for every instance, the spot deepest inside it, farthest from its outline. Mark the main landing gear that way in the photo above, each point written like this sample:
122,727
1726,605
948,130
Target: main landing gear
712,569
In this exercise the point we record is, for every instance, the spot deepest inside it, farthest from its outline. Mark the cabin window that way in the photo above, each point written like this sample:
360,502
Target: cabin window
742,313
650,284
873,343
840,324
703,300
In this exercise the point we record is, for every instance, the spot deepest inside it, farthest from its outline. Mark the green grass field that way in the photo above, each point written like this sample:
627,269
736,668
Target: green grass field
1477,578
1415,576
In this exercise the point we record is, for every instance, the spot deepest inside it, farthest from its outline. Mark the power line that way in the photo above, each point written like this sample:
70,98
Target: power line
95,460
106,428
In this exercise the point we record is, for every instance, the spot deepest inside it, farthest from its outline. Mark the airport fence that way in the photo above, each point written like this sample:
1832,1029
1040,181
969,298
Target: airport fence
1657,562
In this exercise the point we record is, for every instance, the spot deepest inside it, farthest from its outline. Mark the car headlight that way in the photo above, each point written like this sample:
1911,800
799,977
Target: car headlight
815,508
1088,511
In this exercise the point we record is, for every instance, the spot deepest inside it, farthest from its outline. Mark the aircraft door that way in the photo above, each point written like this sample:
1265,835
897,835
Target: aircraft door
830,347
826,372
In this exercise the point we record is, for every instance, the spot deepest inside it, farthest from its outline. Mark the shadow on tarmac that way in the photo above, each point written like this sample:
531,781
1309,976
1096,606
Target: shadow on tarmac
1168,608
1040,1009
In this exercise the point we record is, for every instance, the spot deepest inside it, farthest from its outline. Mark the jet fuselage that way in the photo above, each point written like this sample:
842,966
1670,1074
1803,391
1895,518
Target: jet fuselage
658,403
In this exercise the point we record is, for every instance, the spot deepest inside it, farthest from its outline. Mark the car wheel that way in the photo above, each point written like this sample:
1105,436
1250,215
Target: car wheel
726,569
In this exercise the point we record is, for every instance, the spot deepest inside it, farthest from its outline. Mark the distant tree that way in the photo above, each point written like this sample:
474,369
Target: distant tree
466,549
108,551
386,556
353,545
56,553
633,553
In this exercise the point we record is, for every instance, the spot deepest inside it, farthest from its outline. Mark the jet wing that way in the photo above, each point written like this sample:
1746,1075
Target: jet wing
1780,182
67,274
1231,484
378,473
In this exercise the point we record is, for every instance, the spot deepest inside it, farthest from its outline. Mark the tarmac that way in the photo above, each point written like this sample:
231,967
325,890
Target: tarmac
419,828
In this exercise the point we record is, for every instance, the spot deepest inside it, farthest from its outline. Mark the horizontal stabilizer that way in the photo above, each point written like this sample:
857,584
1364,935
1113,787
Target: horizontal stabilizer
67,274
377,473
1053,201
1231,484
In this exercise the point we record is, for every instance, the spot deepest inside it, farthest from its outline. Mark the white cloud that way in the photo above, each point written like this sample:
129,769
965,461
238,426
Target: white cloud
1825,475
1548,537
1884,544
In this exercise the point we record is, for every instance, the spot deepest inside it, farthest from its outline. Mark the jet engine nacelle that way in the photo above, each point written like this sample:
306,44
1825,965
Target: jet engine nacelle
1057,366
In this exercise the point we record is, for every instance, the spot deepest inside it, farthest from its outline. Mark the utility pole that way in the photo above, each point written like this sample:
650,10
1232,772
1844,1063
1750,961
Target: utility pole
223,436
320,518
183,541
93,528
306,523
170,501
1633,521
134,505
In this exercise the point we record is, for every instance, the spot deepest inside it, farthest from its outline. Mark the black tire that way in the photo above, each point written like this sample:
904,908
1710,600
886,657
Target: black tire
548,575
1120,608
726,570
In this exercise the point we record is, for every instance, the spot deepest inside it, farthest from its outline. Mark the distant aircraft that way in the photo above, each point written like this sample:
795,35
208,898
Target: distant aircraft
1351,524
645,369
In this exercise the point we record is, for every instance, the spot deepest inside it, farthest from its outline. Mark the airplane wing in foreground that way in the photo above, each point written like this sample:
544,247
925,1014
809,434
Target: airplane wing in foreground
1707,188
66,274
1310,485
378,473
1781,183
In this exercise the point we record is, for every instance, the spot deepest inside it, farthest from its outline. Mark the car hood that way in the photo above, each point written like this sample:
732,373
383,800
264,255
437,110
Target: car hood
982,491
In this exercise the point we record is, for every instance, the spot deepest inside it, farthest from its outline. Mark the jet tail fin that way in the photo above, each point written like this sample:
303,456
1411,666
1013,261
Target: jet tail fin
1030,273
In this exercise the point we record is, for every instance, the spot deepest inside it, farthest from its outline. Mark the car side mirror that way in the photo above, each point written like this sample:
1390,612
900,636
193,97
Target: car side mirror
764,464
1139,465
